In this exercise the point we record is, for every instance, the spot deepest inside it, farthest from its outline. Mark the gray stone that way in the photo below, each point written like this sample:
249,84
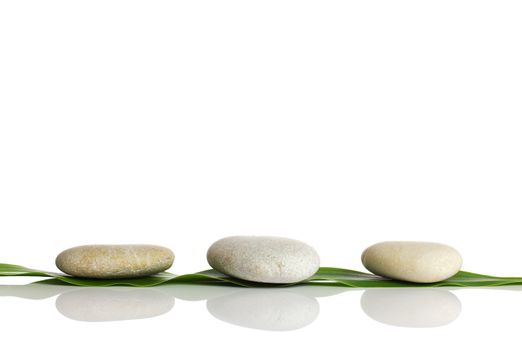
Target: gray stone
264,259
114,261
420,262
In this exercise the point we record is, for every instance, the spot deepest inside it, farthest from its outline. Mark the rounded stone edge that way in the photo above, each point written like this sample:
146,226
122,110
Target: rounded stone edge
372,270
218,267
63,254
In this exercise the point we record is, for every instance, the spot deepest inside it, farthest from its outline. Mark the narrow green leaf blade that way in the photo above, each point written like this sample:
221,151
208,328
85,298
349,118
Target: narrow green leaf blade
17,270
325,275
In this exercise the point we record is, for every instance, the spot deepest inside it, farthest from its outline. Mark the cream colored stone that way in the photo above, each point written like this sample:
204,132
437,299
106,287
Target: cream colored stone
421,262
114,261
264,259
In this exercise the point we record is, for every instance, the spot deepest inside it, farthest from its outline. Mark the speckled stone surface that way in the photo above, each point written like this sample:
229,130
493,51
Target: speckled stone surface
114,261
420,262
264,259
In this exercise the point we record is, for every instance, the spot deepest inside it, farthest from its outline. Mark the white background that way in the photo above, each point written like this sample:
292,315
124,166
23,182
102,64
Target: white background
338,123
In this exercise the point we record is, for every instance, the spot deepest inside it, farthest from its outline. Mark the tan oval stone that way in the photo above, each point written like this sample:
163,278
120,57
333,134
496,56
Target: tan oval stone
115,261
420,262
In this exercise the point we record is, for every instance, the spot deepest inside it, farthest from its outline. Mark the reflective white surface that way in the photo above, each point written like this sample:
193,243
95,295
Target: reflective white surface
411,307
231,316
113,304
338,123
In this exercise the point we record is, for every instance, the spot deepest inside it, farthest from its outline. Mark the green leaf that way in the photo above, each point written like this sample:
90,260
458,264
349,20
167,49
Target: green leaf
325,276
356,279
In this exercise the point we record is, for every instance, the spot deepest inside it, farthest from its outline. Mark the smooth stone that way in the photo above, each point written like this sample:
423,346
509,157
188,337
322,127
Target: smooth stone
420,262
115,261
264,259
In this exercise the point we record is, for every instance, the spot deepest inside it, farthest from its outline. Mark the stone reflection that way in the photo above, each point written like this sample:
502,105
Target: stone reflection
267,309
113,303
277,309
191,292
35,291
415,307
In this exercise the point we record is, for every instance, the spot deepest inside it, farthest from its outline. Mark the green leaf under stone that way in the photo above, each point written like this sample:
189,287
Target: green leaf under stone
325,276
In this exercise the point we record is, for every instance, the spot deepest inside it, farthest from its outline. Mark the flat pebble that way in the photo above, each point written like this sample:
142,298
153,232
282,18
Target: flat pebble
420,262
264,259
114,261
